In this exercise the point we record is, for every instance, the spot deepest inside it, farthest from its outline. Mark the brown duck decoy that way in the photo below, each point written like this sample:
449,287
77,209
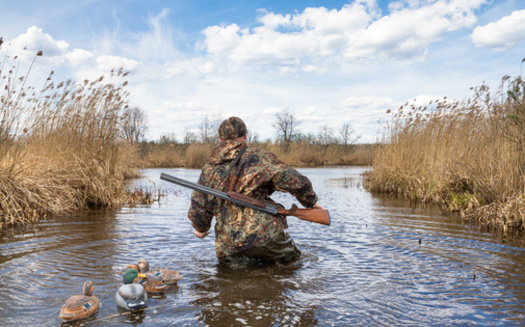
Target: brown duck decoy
167,276
151,282
80,306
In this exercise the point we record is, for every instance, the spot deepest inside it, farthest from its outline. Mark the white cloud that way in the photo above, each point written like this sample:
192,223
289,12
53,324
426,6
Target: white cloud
368,103
221,39
407,31
364,113
35,40
191,68
286,39
356,32
78,57
208,67
502,34
154,44
309,62
107,63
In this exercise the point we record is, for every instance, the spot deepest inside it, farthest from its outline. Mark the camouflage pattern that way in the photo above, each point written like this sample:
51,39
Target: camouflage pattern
232,128
280,249
257,174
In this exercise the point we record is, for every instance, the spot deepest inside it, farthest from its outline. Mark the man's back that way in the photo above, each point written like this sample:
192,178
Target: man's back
258,174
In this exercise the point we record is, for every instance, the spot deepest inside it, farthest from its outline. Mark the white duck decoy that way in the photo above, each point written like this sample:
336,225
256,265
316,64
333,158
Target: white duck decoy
131,296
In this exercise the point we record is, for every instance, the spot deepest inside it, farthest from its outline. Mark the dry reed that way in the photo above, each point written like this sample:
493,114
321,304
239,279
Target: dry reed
163,155
60,146
465,156
297,154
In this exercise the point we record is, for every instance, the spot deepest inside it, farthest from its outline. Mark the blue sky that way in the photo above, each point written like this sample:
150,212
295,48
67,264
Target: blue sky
328,62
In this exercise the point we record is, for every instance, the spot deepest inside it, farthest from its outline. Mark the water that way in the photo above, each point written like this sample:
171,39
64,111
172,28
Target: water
380,263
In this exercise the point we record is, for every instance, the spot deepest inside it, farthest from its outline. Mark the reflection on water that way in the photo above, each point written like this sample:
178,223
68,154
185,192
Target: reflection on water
382,262
253,297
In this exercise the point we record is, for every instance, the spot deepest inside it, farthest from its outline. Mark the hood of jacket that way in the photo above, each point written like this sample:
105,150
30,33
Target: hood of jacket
226,150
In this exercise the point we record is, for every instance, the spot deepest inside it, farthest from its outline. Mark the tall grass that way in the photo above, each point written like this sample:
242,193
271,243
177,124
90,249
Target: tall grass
300,154
466,156
60,148
305,154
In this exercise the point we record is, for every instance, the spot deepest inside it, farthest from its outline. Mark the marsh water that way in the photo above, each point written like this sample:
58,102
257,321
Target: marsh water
382,262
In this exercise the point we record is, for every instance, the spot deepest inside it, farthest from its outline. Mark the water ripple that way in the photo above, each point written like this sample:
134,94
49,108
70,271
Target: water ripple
382,262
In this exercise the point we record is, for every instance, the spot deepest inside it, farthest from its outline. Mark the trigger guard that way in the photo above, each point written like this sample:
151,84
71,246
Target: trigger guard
292,209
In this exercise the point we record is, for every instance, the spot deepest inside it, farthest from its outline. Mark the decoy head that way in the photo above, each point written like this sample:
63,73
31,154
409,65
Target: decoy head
134,266
144,265
88,288
130,275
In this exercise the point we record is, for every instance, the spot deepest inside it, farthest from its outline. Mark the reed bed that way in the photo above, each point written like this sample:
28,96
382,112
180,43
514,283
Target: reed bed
300,154
467,156
154,155
60,146
304,154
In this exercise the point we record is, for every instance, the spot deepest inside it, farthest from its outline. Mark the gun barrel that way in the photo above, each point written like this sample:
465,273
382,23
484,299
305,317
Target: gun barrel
265,207
312,215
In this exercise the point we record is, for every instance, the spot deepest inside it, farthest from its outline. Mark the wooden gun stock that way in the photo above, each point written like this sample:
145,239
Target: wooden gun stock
319,216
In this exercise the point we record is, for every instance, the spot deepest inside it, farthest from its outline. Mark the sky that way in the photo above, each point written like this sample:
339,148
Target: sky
327,62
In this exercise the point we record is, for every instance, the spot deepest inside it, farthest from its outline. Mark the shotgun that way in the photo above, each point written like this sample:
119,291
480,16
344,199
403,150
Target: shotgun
319,216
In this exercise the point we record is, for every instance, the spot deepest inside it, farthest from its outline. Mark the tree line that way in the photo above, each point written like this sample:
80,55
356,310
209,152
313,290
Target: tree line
286,124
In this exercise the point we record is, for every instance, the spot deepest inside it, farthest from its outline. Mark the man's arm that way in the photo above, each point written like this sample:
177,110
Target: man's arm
200,212
291,181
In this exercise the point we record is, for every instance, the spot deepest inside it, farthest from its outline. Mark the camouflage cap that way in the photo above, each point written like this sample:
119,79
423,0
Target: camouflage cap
232,128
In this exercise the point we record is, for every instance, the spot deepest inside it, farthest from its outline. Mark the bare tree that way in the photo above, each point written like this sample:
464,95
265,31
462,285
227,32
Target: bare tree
287,126
347,134
168,138
326,135
189,137
133,125
253,138
208,130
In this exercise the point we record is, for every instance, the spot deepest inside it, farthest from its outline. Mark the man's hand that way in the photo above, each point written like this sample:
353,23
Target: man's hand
199,234
316,206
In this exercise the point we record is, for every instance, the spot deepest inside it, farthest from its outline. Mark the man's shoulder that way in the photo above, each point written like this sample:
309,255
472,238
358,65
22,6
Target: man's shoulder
262,154
263,159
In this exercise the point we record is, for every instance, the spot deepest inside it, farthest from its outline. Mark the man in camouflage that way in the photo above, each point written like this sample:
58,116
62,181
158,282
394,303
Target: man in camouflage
244,236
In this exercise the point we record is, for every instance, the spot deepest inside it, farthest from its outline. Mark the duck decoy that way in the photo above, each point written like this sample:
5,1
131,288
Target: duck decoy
167,276
131,296
152,283
80,306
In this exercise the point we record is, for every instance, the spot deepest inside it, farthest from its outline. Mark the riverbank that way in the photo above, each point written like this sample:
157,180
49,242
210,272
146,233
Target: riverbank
60,146
468,157
298,154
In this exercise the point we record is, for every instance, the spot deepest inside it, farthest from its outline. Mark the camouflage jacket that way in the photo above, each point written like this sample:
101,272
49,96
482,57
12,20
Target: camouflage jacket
257,174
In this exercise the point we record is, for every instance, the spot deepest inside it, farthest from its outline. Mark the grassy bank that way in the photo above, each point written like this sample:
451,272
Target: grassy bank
301,154
60,148
466,156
